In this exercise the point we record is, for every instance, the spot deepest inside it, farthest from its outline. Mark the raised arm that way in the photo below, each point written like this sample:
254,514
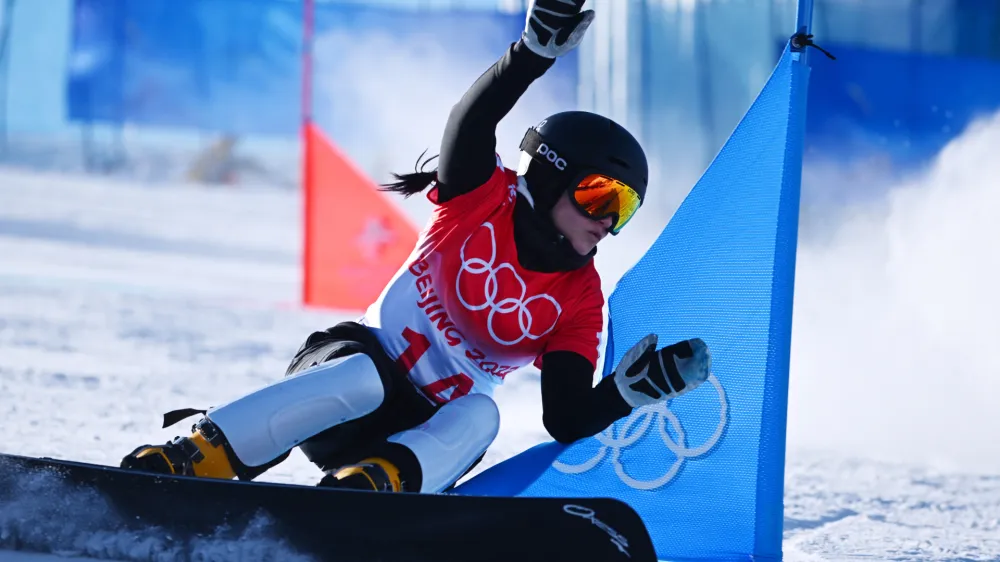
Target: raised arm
468,148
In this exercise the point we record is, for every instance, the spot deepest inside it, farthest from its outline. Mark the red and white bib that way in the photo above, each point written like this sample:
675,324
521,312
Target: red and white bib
462,314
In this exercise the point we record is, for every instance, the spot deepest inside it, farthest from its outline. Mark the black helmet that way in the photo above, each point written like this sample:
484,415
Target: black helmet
567,146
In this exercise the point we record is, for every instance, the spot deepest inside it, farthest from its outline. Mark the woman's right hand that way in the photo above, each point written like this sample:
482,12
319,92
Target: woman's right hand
555,27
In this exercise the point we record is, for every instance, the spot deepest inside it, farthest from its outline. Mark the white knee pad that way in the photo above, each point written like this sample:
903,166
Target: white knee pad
448,444
265,424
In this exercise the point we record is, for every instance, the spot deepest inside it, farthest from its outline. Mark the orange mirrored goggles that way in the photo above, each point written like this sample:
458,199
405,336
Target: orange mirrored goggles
601,196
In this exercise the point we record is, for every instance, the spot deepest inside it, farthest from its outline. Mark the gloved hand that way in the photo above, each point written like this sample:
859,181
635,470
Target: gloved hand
555,27
646,376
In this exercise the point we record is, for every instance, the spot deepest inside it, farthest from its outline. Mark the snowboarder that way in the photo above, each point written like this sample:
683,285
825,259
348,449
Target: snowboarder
502,276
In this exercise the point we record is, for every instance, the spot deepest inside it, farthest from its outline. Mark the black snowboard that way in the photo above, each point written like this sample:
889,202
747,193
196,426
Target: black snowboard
314,523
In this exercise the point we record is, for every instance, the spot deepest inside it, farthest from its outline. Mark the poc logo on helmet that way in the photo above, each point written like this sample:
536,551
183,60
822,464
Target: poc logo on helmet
551,156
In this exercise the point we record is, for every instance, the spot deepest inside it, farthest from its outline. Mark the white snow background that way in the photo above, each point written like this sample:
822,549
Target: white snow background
120,300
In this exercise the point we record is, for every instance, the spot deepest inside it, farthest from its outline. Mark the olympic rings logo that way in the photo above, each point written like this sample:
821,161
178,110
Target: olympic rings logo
629,435
509,305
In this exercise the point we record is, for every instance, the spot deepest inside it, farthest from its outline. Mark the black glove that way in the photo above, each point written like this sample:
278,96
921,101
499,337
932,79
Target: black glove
646,376
555,27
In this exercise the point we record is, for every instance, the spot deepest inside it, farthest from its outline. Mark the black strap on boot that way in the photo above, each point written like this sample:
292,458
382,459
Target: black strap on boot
174,416
215,437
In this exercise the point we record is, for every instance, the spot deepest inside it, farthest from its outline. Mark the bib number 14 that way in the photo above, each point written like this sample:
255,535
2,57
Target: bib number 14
460,384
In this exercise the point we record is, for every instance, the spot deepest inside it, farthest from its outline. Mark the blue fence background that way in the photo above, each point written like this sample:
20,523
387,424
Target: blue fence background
236,67
133,86
231,66
105,78
910,76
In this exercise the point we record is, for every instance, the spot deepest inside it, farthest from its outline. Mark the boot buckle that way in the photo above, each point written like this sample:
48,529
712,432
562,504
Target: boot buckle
209,431
189,449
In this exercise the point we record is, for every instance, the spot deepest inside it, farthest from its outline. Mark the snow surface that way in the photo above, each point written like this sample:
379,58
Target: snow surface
120,301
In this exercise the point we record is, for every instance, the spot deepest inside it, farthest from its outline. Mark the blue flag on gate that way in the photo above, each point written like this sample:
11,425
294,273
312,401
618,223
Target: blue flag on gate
705,471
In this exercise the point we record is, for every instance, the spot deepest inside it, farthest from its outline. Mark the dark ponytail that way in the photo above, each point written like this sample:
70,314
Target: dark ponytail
410,184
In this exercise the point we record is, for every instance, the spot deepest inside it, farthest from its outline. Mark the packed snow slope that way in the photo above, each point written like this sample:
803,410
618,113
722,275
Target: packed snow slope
120,301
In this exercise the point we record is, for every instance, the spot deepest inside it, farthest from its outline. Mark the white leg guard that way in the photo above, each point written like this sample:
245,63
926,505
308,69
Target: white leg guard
448,444
265,424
